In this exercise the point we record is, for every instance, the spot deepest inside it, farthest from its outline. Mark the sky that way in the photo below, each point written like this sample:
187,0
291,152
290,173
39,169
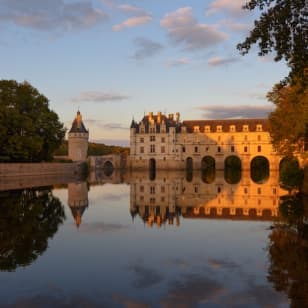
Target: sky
117,60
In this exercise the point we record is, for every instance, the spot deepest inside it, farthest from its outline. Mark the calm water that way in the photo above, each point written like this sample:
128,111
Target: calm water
128,241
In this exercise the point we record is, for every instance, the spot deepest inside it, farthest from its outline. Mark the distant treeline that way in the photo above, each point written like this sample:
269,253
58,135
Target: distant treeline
94,149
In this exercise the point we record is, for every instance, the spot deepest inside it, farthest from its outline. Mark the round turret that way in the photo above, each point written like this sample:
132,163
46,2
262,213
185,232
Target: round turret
78,137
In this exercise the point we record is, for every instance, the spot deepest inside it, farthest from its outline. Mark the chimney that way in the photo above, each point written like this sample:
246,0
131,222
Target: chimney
171,116
158,117
177,117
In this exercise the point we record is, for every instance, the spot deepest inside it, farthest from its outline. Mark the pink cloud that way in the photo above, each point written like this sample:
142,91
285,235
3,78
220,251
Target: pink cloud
132,22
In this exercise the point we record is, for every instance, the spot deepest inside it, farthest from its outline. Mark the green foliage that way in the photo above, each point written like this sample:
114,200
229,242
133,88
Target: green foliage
288,123
282,27
28,219
29,130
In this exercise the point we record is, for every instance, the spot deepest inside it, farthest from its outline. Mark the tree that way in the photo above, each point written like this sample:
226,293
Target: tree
29,130
288,123
282,27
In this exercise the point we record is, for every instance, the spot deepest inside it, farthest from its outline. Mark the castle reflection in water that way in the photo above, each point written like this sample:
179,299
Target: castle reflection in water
173,196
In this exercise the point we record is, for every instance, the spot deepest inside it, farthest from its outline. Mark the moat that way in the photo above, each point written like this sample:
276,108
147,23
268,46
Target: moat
131,240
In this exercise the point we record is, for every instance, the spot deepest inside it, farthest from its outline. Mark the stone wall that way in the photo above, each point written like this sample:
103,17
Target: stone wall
34,169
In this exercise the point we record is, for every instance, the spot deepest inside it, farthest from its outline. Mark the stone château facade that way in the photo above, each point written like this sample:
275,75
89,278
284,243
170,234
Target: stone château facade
166,142
78,137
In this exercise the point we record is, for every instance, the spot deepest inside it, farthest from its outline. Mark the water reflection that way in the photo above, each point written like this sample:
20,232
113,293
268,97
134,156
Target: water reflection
203,256
174,194
288,250
29,218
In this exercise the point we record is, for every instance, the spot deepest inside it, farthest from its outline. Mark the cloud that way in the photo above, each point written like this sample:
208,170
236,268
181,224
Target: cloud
236,26
98,97
183,28
232,7
146,48
217,61
127,302
229,112
178,62
131,9
51,14
132,22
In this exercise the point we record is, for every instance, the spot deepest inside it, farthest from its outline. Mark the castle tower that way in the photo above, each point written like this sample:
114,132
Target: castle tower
78,137
78,200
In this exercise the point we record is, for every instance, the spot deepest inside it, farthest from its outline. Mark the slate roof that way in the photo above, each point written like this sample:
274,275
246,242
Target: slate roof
78,126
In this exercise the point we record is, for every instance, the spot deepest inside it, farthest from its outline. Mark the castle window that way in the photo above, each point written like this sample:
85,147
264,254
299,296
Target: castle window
196,149
245,128
152,148
183,149
259,127
142,130
152,200
152,189
141,140
274,191
152,129
245,190
162,189
141,149
219,128
259,137
207,128
196,129
196,189
218,189
232,128
259,148
152,138
163,140
141,188
259,190
232,148
162,149
218,149
245,149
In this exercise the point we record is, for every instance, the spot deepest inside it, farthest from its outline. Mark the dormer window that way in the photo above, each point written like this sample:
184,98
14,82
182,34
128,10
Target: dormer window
152,129
196,129
207,128
259,127
245,128
232,128
219,128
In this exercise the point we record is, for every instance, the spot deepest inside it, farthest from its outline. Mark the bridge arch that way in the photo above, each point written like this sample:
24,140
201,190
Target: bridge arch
208,169
108,168
259,169
232,169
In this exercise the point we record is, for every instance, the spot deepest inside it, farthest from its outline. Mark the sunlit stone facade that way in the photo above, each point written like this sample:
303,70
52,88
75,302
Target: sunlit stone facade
169,143
78,137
